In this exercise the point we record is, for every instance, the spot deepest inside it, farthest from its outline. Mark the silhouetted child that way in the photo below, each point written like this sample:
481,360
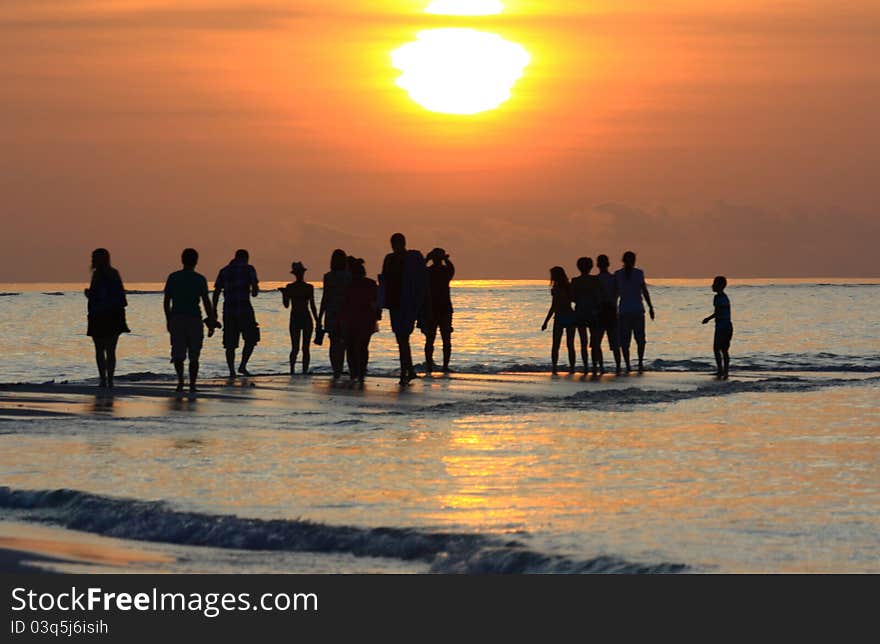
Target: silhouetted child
723,327
300,297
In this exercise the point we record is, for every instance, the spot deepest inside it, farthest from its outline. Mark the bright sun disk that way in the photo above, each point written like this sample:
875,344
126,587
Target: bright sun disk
459,71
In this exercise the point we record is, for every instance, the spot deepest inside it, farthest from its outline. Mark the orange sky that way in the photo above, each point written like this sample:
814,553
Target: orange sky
741,139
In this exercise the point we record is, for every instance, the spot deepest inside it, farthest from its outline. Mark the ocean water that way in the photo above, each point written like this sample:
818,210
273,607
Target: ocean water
783,325
499,468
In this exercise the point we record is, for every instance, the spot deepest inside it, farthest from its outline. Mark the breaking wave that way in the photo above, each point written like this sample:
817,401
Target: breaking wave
445,552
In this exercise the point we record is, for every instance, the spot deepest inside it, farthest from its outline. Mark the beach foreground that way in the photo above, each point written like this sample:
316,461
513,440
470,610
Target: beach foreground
514,472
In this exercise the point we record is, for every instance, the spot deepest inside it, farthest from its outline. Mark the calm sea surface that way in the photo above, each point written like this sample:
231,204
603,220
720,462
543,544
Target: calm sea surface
794,325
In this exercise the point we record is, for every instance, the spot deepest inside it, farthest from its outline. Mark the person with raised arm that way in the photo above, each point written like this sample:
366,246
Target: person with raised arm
439,316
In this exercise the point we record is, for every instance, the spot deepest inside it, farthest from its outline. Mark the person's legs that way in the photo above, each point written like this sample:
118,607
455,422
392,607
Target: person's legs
446,335
245,356
111,358
572,354
718,361
625,338
306,348
365,355
407,372
195,338
639,333
337,354
101,360
178,369
727,353
193,373
430,336
554,349
294,347
230,341
596,346
178,347
596,336
582,334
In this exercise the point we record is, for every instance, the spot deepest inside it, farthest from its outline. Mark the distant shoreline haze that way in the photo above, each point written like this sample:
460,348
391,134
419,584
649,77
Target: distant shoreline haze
271,284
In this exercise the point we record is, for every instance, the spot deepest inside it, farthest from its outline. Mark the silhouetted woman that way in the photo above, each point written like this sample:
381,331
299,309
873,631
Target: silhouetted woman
300,297
358,317
106,313
336,283
563,316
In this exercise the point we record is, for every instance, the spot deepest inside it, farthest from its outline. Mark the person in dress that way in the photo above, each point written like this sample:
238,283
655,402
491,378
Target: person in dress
106,314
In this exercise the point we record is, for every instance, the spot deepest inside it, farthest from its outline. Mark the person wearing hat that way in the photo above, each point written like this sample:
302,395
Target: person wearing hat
299,296
440,274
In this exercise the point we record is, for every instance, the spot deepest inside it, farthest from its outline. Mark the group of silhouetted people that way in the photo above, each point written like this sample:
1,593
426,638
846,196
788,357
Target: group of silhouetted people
612,305
413,288
596,306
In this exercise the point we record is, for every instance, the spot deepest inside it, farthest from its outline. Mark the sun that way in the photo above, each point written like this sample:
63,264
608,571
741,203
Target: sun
465,7
458,70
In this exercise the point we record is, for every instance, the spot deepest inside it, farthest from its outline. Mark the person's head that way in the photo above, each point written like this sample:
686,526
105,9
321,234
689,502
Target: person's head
602,262
585,265
242,255
100,259
357,267
189,257
398,242
437,255
558,277
719,284
629,259
338,260
298,270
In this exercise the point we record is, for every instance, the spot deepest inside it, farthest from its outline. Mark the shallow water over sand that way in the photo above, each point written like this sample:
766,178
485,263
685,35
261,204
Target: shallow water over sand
648,471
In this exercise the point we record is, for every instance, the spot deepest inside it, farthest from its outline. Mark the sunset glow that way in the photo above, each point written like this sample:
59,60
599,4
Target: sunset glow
459,71
465,7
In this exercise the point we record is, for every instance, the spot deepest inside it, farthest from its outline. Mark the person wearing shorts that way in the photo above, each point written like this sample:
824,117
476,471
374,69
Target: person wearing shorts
723,327
607,314
183,290
440,274
631,288
238,283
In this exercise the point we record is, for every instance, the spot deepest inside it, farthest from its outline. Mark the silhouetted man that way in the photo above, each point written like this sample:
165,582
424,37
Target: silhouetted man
238,282
586,294
440,274
630,289
183,290
404,283
607,314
